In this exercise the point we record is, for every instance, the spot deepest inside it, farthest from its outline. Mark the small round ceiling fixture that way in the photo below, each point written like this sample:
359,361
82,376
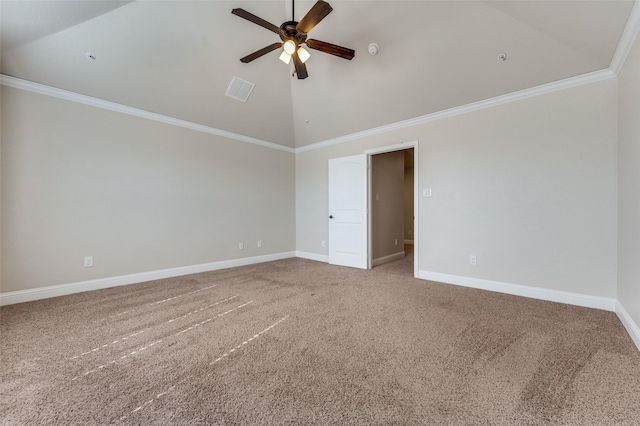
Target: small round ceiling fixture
502,57
373,49
90,56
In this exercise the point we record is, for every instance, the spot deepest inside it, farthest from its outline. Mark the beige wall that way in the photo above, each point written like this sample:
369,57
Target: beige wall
135,194
629,185
529,187
387,204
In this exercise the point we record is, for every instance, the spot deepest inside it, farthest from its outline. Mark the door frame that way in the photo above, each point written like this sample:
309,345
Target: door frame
416,222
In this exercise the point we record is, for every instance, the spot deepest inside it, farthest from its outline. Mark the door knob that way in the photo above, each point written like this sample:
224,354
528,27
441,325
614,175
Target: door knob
330,216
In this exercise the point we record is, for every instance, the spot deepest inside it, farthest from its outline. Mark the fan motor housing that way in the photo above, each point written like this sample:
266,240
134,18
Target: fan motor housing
290,32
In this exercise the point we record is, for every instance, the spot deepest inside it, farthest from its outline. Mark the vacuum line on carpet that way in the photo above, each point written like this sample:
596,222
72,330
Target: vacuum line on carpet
255,336
226,354
212,318
119,314
108,344
155,343
96,349
182,295
159,302
202,309
116,360
160,395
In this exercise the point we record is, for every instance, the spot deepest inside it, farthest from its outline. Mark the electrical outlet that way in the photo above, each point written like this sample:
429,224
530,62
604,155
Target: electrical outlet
472,260
396,241
259,243
241,246
322,243
88,261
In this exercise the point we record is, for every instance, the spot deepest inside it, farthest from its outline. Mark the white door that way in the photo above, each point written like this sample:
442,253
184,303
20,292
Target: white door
348,211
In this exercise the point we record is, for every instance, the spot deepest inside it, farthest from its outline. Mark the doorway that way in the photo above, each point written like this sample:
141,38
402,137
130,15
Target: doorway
350,208
392,218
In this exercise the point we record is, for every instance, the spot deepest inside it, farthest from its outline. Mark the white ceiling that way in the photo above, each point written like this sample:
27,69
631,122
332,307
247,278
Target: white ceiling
177,58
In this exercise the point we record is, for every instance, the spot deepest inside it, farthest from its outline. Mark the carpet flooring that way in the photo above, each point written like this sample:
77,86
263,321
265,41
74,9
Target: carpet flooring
301,342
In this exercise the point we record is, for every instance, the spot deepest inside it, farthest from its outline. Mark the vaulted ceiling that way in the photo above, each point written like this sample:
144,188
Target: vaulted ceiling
177,58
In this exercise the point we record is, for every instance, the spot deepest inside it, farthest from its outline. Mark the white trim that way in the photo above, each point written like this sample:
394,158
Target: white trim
416,209
416,179
369,190
386,259
544,89
66,95
631,30
463,109
313,256
392,148
577,299
97,284
628,323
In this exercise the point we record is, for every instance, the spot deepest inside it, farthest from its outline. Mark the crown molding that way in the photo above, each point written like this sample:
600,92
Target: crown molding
629,35
54,92
544,89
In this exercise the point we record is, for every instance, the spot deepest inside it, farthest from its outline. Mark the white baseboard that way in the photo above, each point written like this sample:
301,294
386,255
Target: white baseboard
577,299
585,300
312,256
97,284
628,323
387,259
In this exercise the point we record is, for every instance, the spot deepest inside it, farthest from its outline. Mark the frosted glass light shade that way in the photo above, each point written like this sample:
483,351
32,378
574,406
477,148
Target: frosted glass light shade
303,54
285,57
289,46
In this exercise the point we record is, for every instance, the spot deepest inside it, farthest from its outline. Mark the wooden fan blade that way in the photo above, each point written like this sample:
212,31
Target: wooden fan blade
331,49
258,53
317,13
256,20
301,69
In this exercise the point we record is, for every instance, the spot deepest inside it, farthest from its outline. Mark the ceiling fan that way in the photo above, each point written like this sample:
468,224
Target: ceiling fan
293,35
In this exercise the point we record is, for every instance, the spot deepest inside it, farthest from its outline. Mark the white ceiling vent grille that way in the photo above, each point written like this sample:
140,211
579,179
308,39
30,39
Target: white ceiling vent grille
239,89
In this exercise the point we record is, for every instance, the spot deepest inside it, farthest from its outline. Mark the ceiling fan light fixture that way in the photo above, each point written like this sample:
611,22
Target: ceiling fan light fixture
285,57
293,35
303,54
289,46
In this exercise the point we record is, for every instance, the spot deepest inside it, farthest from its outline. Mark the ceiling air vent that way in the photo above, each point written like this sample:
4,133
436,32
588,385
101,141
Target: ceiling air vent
239,89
